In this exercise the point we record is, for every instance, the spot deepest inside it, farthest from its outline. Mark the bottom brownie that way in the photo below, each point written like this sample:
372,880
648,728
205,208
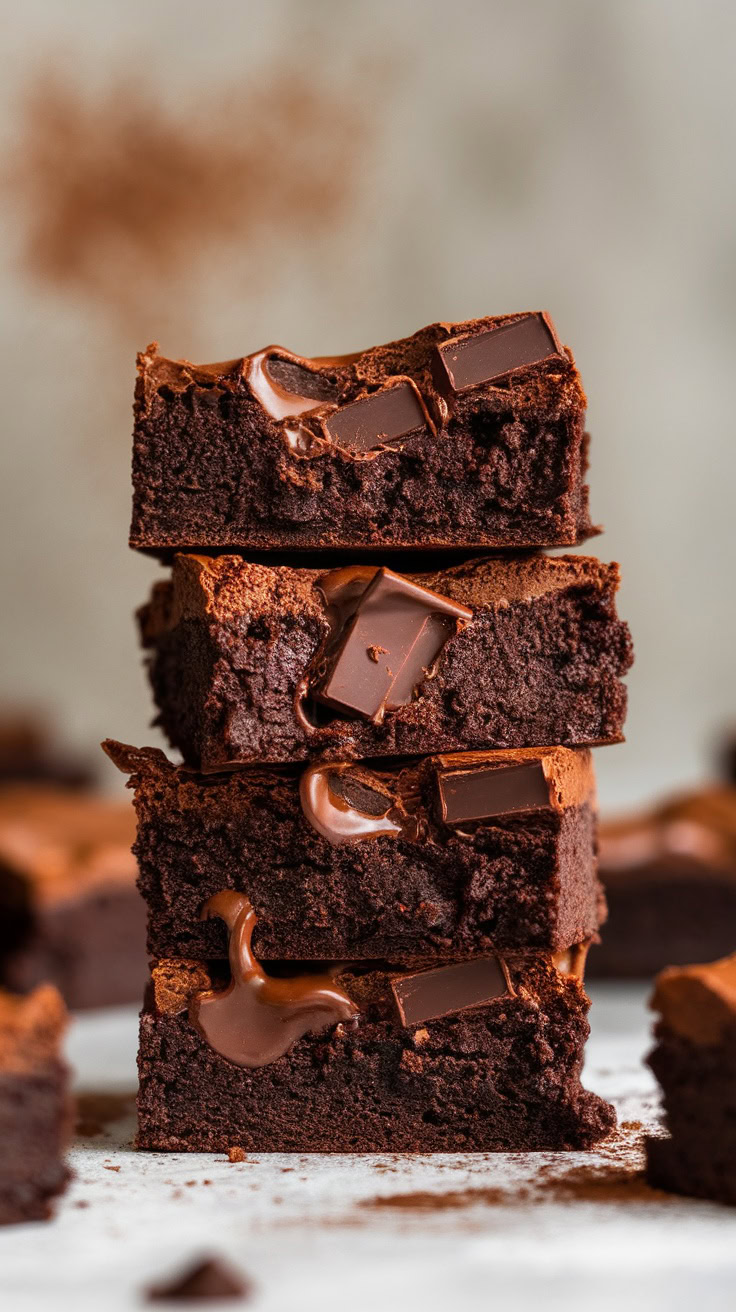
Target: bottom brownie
35,1112
407,1065
695,1063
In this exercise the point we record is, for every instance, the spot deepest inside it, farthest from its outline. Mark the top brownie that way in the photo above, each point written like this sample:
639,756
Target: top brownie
463,435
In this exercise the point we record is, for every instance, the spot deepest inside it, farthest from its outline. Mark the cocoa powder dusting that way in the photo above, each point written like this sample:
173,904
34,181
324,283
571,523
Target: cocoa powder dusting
118,194
614,1174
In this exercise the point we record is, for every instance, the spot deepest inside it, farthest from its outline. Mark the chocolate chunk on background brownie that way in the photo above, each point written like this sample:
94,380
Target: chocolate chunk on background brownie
498,1072
670,880
70,912
463,435
346,861
245,658
35,1108
695,1063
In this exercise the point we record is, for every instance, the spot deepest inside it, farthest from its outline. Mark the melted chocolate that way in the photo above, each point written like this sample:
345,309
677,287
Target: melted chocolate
337,818
286,385
257,1018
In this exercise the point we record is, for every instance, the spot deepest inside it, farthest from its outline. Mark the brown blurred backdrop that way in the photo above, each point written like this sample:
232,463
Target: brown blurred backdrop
328,175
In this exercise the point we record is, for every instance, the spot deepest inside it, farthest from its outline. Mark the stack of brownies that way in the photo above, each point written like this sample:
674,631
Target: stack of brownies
372,882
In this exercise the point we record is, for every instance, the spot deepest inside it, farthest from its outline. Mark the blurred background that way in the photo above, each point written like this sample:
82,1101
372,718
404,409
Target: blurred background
327,176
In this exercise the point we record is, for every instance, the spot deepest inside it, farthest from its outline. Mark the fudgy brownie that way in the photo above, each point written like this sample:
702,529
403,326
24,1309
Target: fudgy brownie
70,912
480,1055
695,1063
35,1109
31,753
257,663
464,435
670,880
436,857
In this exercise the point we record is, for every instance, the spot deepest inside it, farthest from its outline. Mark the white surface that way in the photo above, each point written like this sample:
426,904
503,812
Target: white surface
293,1225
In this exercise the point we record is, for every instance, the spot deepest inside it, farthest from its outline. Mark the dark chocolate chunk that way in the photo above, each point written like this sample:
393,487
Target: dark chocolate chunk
296,379
478,794
257,1018
208,1278
380,418
410,623
466,362
441,992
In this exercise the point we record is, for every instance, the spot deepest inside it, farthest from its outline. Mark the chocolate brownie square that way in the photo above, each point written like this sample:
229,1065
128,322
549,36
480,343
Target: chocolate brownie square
695,1063
478,1056
257,663
463,435
70,912
429,858
35,1108
670,880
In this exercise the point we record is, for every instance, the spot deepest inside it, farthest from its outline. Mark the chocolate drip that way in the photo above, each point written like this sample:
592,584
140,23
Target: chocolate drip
257,1018
572,960
386,635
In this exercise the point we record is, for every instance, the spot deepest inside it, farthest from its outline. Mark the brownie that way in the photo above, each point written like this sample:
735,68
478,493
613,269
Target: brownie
476,1056
35,1108
695,1063
70,912
670,880
257,663
363,863
30,753
463,435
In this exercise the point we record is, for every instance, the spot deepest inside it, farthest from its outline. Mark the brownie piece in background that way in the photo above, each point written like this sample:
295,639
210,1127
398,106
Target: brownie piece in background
257,663
30,752
35,1107
695,1063
476,1056
438,857
670,881
70,912
465,435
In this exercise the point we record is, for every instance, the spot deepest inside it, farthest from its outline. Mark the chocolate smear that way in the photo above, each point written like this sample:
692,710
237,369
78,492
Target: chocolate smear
257,1018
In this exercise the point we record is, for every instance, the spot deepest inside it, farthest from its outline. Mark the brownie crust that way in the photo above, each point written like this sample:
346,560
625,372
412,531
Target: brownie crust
541,661
500,1077
220,463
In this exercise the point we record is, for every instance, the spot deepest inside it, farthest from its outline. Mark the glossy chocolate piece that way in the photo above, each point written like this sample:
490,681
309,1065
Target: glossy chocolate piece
378,419
466,362
430,994
480,793
257,1018
387,645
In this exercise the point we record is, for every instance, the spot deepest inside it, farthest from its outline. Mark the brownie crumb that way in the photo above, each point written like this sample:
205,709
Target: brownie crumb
209,1278
375,652
236,1155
